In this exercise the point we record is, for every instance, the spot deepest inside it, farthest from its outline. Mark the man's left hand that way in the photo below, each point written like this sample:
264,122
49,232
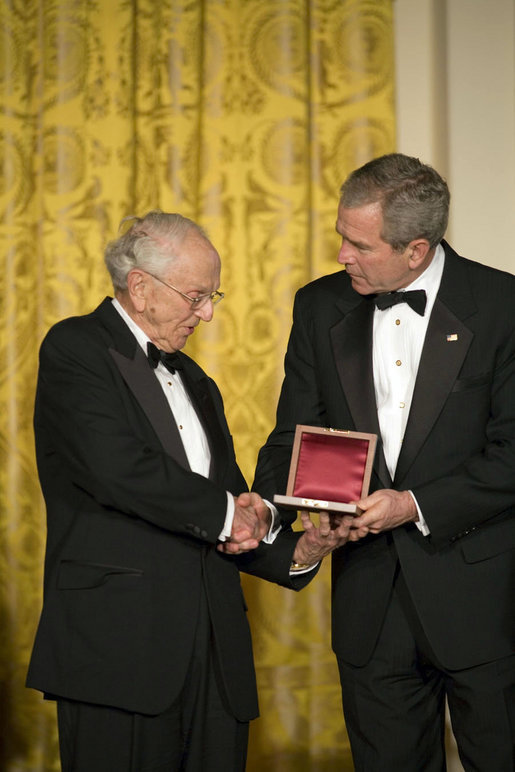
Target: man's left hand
382,511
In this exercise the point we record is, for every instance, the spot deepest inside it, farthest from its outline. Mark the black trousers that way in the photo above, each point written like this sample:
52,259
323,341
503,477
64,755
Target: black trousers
196,734
394,706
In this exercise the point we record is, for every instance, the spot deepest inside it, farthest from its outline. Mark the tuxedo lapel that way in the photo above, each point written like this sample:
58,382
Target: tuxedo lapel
141,380
203,403
133,365
445,348
351,339
146,388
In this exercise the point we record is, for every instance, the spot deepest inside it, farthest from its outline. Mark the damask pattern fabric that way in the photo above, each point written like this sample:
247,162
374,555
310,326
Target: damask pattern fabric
245,115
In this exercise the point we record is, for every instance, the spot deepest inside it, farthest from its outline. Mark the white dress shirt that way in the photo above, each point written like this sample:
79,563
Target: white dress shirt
398,338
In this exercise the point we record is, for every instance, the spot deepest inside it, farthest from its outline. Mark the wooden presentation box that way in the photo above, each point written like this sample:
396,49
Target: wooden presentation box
329,468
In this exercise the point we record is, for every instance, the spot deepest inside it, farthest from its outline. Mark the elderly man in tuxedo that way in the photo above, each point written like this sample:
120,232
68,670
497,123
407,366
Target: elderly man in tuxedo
143,638
417,345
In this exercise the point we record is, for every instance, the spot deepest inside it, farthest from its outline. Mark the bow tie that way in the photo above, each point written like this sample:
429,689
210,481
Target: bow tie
172,361
416,299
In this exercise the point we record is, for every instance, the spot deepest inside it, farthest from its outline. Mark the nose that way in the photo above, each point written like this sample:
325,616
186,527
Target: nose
345,255
205,312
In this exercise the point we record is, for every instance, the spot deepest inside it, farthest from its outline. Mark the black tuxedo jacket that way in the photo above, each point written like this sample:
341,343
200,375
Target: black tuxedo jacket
132,531
458,458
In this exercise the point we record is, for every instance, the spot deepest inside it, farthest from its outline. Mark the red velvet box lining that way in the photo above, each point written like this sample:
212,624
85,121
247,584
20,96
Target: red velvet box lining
330,467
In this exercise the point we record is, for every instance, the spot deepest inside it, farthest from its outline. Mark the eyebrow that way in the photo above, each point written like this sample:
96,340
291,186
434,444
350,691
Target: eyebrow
358,244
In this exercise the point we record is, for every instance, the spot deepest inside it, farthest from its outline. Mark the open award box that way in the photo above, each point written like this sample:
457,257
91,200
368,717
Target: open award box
329,468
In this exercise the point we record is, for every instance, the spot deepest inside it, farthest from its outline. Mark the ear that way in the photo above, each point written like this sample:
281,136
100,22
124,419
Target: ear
137,288
419,254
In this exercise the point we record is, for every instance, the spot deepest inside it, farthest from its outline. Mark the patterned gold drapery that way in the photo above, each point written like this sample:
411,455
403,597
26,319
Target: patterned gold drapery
244,115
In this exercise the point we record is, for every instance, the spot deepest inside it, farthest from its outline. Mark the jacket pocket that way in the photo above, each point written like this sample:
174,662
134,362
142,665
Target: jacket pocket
474,382
78,575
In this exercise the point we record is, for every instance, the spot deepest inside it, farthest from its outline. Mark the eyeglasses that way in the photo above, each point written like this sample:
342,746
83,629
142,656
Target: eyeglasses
215,297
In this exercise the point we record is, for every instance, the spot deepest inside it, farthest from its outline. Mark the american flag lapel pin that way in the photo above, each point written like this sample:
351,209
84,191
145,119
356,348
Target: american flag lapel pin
452,337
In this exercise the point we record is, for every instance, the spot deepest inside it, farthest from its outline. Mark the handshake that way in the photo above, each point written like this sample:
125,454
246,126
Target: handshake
251,523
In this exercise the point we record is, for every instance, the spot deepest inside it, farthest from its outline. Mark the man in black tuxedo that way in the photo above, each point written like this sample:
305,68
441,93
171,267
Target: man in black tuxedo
417,345
143,638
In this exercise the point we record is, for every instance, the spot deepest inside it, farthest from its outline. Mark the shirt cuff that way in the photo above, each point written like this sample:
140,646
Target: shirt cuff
275,525
420,523
296,569
225,534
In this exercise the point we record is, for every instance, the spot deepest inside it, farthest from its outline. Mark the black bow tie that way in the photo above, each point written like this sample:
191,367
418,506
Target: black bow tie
172,362
416,299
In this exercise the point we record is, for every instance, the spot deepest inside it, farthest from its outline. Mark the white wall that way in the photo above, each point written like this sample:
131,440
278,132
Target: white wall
455,94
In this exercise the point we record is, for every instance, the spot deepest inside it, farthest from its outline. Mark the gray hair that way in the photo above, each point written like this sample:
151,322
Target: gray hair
414,198
149,243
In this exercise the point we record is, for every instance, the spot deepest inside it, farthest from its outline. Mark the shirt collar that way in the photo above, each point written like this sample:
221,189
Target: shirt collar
430,279
138,333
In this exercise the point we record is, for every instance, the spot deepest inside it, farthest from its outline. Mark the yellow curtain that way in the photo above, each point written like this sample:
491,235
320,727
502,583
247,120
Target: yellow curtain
245,115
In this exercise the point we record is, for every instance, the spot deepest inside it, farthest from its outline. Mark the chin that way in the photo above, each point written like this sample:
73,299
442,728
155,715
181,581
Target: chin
360,288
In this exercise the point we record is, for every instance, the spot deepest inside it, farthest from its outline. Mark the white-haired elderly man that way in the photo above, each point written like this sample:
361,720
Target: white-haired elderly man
143,639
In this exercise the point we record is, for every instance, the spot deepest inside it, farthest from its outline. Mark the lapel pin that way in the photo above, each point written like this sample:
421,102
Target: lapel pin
451,337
